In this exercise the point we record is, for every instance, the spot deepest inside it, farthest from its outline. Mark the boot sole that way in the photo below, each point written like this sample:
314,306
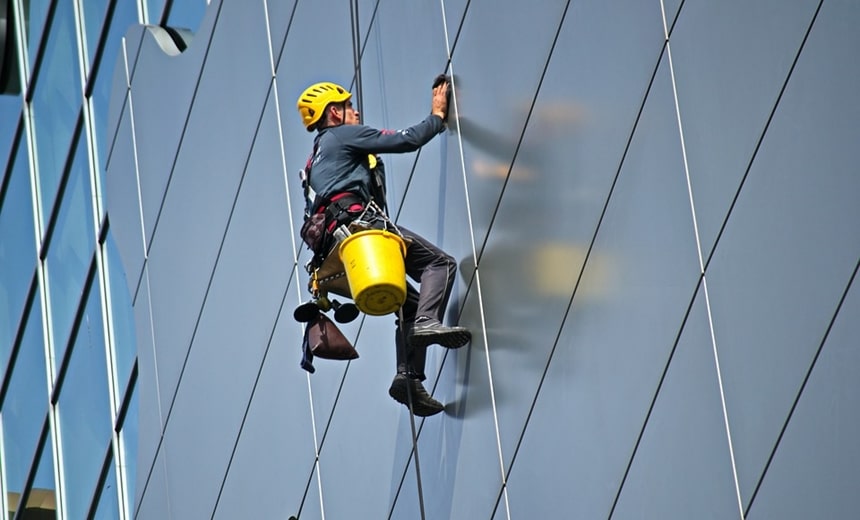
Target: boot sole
450,339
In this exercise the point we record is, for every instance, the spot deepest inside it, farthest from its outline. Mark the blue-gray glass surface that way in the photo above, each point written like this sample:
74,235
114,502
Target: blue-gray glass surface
722,126
277,415
128,436
70,251
122,317
685,426
188,14
10,110
25,404
148,428
56,104
124,15
35,12
154,10
108,504
821,437
165,92
236,312
43,491
612,349
17,250
493,105
208,171
122,200
84,409
790,246
94,12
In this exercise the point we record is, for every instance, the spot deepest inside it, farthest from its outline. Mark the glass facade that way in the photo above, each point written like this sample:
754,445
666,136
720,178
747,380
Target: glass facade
67,340
653,205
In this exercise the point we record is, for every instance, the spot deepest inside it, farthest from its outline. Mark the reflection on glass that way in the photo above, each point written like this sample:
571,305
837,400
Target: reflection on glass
34,22
108,507
70,251
56,102
153,10
42,498
84,410
26,404
128,445
17,251
122,315
124,15
94,15
187,15
10,108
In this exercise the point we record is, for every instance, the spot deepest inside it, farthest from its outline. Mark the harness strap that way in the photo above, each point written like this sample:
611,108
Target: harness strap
339,204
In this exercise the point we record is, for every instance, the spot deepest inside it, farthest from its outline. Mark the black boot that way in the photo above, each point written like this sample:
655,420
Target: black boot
428,331
405,387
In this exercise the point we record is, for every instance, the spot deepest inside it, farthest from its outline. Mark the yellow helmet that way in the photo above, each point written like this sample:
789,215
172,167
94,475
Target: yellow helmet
314,99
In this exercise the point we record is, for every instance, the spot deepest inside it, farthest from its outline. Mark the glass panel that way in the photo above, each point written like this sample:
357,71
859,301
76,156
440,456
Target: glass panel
191,227
70,251
10,110
614,345
187,14
84,409
722,125
108,506
122,316
26,404
124,15
685,427
94,15
35,12
275,420
128,444
819,451
154,8
17,251
791,244
56,103
42,499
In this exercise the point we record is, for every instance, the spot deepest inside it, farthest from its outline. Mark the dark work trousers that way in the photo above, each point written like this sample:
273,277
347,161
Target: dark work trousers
435,270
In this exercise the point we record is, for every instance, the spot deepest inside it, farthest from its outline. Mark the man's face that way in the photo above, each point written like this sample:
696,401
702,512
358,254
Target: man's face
351,115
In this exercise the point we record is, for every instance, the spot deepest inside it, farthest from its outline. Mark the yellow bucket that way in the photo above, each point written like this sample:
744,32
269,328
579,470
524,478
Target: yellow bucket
373,261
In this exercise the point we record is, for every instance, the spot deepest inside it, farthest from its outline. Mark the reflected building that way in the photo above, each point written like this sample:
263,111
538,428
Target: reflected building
68,398
654,209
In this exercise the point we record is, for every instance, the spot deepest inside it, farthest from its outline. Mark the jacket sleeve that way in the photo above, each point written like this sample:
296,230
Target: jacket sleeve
372,140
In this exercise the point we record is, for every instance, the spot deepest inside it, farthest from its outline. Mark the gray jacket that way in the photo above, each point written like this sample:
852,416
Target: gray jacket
340,161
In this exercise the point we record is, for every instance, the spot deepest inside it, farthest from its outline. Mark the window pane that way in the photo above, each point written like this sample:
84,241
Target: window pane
56,103
17,251
70,251
124,15
187,15
42,499
154,8
108,508
35,12
26,404
128,444
10,110
83,407
94,15
125,343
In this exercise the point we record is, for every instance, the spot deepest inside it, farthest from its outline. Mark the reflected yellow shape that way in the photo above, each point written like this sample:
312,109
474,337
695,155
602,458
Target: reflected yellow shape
497,170
555,267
